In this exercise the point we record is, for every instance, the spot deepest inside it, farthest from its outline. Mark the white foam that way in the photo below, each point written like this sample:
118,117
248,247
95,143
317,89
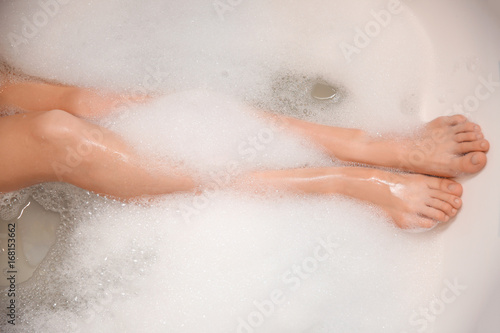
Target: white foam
127,267
207,131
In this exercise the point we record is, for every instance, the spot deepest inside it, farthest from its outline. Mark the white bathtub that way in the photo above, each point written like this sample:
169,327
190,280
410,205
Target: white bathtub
464,39
473,240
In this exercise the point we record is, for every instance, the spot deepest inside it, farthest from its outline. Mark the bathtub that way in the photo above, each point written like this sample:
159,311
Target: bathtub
465,293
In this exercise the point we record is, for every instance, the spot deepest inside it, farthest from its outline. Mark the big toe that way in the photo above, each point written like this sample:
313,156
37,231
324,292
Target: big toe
447,186
471,163
455,119
469,147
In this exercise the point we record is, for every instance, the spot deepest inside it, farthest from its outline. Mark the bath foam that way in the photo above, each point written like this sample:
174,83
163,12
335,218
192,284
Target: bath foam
210,132
127,267
243,55
11,204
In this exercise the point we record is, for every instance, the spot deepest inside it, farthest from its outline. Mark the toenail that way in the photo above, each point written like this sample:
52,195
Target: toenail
479,136
475,160
446,218
476,128
457,201
483,145
453,211
452,187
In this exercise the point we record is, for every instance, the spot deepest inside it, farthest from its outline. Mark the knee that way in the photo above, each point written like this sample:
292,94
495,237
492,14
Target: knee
61,134
67,140
55,126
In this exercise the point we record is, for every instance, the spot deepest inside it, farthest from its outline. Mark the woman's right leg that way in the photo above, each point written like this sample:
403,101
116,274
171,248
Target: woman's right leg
56,146
412,201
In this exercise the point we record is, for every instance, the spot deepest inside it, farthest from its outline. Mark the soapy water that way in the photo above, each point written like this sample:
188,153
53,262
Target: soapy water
224,261
130,267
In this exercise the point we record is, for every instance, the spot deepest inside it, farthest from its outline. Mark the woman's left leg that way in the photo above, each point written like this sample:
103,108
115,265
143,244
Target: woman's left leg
38,96
445,147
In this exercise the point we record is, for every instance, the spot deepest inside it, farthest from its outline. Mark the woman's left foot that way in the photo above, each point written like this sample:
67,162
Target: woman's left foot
446,147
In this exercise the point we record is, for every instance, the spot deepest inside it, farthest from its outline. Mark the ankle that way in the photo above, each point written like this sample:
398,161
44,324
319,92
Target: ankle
347,144
380,152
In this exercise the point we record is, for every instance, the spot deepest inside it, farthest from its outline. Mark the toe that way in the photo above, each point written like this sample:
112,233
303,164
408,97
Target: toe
425,223
470,163
443,206
467,127
467,147
445,185
468,137
435,214
452,199
416,223
455,120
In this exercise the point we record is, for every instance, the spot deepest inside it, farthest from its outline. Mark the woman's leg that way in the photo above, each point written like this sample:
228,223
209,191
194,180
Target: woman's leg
446,147
38,96
56,146
412,201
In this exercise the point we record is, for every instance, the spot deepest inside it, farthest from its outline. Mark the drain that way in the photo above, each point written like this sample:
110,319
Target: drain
322,91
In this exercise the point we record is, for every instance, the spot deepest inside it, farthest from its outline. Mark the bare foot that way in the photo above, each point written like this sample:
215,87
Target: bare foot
446,147
412,201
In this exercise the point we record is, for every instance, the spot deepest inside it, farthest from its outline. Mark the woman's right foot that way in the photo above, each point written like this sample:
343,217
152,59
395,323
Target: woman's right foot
412,201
